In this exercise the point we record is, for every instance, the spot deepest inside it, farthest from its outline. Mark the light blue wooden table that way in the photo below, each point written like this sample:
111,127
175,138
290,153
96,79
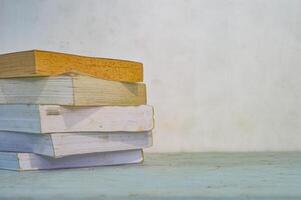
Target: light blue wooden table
210,176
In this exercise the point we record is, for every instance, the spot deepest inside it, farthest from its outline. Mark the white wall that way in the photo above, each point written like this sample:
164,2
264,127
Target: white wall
222,75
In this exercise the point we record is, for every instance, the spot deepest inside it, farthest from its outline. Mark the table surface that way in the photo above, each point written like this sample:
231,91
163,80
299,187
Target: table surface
210,176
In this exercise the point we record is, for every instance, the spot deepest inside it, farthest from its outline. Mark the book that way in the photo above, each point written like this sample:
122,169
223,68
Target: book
65,144
29,161
46,63
77,90
55,118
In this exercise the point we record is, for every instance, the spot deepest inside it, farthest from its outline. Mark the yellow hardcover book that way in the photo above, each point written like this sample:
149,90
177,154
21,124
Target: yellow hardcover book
46,63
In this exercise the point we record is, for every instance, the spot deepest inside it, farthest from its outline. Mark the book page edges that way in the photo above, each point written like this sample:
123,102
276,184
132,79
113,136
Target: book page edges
18,64
53,63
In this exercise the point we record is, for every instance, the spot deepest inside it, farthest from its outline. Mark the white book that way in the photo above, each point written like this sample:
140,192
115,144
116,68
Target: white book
65,144
55,118
76,90
29,161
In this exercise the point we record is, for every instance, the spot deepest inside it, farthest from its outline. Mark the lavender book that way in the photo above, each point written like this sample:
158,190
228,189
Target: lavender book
29,161
58,145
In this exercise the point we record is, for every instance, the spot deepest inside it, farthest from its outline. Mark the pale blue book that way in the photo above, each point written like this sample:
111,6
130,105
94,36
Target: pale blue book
58,145
29,161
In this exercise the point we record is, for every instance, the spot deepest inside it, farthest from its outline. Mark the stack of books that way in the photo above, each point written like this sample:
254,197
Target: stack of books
65,111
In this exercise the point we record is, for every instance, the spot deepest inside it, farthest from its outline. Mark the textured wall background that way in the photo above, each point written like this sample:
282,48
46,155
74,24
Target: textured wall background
222,75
